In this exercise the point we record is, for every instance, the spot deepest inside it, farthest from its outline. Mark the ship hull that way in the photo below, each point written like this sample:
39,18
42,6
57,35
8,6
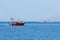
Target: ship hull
22,24
17,24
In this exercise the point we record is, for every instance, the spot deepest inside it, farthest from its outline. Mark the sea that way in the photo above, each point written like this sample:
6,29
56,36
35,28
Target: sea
30,31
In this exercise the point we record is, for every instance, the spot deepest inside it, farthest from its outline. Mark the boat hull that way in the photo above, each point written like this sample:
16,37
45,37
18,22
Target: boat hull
22,24
18,24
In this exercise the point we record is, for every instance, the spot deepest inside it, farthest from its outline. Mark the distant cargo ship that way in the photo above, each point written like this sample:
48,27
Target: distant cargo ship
44,21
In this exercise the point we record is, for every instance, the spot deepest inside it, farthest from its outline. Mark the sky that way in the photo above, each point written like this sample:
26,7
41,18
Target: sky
30,10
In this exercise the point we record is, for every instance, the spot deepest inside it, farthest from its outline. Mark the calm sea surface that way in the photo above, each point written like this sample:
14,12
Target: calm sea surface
30,31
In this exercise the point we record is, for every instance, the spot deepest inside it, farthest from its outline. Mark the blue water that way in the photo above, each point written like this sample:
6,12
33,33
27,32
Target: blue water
30,31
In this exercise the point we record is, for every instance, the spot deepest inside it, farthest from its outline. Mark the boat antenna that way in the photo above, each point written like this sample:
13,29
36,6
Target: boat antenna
12,19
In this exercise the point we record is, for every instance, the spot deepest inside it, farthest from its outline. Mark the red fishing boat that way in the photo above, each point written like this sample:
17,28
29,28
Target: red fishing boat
17,24
14,23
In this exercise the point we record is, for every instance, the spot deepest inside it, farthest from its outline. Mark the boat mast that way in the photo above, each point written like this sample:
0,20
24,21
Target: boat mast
12,19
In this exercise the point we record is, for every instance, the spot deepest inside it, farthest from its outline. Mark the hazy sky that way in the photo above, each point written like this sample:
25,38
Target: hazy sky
30,10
